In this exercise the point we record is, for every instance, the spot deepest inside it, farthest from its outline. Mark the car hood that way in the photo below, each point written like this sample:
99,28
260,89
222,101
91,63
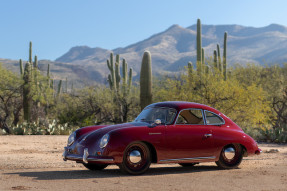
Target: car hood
97,134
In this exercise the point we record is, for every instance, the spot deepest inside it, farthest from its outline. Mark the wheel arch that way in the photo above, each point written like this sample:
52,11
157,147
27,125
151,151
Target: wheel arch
236,143
243,147
152,151
244,150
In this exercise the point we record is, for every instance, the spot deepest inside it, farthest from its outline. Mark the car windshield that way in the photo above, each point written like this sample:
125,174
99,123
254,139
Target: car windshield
149,115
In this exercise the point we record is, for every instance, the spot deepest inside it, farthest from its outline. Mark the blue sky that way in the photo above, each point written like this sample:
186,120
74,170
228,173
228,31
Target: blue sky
54,26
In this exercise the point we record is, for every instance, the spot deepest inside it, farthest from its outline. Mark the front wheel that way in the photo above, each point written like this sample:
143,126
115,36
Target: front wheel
230,156
95,166
136,159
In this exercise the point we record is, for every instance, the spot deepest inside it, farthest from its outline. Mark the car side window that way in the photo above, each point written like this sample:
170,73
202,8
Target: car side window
190,116
213,119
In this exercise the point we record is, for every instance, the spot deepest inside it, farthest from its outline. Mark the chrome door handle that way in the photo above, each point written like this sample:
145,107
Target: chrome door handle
208,135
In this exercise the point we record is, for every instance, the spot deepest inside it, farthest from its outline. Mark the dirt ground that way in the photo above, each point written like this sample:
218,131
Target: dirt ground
35,163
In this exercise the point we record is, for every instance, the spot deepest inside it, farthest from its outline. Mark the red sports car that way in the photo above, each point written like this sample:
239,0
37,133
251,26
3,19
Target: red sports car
166,132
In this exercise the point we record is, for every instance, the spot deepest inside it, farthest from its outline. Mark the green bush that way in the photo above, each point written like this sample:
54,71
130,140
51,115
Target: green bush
52,128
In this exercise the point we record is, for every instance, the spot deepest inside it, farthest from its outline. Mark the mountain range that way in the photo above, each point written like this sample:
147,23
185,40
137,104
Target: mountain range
171,50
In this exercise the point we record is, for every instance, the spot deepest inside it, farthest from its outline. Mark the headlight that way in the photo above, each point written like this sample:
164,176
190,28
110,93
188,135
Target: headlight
104,141
71,138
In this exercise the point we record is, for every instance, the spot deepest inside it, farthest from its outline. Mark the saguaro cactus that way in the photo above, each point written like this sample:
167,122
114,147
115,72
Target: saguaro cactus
146,81
127,78
48,71
66,83
203,66
219,58
120,90
114,77
130,80
30,53
198,46
111,77
224,56
53,86
49,81
28,77
21,67
190,68
215,60
31,62
35,64
26,91
125,75
202,57
59,88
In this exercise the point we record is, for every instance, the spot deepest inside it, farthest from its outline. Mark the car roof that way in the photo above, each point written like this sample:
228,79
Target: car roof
179,105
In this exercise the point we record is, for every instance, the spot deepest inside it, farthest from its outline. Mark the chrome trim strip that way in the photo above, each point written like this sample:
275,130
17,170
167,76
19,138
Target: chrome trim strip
208,135
92,159
154,133
78,157
74,157
203,117
196,158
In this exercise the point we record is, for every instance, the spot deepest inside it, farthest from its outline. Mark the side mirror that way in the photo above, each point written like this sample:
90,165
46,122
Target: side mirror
157,121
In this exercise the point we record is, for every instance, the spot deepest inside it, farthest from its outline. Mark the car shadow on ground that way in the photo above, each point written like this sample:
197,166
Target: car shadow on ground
108,173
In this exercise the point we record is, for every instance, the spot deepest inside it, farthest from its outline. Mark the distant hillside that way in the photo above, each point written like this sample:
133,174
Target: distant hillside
173,48
60,71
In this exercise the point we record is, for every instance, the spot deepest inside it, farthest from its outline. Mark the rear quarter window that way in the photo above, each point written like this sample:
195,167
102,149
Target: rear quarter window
213,119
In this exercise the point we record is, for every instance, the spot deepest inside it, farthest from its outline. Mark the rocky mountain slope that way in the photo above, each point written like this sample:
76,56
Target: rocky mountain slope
172,49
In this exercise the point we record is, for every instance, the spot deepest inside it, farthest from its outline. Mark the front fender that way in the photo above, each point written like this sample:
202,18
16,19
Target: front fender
121,138
85,130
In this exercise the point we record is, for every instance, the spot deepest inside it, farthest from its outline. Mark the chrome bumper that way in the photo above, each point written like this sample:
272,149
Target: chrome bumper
85,158
258,152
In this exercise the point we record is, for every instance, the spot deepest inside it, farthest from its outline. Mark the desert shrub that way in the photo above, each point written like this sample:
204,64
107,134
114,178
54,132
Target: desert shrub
49,128
244,104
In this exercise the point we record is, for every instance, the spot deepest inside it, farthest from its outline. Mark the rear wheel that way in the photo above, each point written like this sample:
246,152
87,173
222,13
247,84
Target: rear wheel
95,166
230,156
187,164
136,159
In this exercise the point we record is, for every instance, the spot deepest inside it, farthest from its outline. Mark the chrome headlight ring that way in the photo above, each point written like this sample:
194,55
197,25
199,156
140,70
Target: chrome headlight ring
104,141
71,139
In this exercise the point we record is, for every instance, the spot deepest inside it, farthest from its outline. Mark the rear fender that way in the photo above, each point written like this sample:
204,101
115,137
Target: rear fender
247,143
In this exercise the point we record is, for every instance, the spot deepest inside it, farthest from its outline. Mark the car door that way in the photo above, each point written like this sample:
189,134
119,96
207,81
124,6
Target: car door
157,132
189,137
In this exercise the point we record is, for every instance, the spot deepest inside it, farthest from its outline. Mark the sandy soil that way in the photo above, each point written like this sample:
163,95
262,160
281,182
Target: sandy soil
35,163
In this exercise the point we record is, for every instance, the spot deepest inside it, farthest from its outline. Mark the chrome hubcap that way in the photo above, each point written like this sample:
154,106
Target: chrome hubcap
229,153
135,156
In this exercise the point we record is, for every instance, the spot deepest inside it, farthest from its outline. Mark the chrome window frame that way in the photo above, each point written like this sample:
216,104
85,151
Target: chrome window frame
216,115
202,113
